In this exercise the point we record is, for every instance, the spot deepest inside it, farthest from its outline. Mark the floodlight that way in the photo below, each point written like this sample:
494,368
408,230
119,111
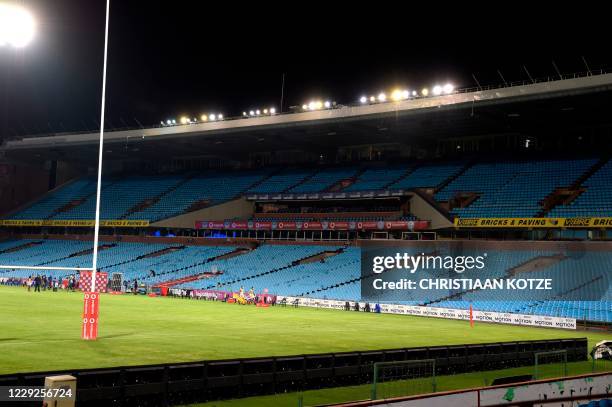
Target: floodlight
220,116
405,94
257,112
396,95
173,121
382,97
204,117
437,90
372,99
304,107
425,92
184,120
252,113
363,99
16,26
244,113
327,104
414,93
448,88
168,122
272,110
265,111
211,116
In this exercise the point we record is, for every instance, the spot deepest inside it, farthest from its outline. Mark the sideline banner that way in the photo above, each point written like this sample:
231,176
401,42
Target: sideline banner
73,223
587,222
447,313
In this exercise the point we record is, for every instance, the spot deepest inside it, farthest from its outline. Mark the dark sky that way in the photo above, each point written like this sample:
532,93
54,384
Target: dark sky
169,58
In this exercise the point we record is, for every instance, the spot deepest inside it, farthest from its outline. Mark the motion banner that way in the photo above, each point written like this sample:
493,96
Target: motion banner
447,313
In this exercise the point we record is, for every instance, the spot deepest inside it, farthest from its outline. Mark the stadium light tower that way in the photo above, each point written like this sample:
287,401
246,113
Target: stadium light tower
17,26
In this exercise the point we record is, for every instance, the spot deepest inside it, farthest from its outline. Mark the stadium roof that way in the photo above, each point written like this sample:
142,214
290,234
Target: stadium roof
463,113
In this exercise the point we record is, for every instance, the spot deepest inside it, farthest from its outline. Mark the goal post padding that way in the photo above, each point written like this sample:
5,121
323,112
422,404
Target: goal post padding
403,378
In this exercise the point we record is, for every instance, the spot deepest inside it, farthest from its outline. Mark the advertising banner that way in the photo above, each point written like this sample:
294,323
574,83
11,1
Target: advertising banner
533,222
312,225
73,223
447,313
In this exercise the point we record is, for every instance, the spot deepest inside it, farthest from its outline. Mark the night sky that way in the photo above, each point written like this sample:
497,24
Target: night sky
173,58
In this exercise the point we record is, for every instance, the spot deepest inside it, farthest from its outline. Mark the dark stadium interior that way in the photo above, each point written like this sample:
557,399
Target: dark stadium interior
263,175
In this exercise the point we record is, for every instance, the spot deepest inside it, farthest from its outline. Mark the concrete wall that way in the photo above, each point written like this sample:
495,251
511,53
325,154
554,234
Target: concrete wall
238,208
424,210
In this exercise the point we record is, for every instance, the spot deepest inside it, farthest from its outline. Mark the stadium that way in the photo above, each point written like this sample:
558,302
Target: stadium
432,246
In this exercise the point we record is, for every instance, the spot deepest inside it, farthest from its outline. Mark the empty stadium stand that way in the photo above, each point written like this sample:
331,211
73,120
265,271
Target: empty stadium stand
317,271
554,188
511,189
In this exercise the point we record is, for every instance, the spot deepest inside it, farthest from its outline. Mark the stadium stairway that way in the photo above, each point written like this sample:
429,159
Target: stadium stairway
85,252
453,177
139,207
528,266
304,180
409,171
533,307
198,276
266,178
347,182
294,263
77,202
564,196
20,247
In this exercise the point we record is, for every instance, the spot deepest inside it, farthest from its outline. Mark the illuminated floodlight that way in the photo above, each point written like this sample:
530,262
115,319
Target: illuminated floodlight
448,88
173,121
312,105
168,122
396,95
265,111
363,99
257,112
204,117
272,110
304,107
184,120
425,92
437,90
244,113
327,104
220,116
372,99
414,93
405,94
252,113
17,26
382,97
212,117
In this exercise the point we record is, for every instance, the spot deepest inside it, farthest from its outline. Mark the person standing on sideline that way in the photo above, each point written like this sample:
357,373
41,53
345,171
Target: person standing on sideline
37,282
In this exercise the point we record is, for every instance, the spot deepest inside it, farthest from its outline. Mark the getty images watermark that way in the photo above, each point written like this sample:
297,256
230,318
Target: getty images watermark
451,273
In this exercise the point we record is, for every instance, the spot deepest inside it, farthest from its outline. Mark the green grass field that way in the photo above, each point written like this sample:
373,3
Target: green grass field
41,332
